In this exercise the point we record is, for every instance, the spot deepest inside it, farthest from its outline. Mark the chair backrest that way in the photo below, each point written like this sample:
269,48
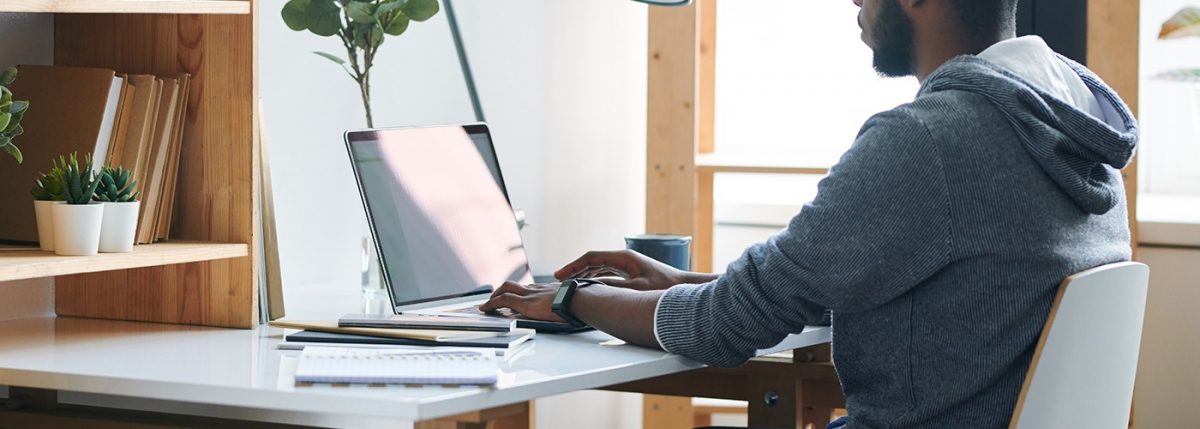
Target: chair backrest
1086,360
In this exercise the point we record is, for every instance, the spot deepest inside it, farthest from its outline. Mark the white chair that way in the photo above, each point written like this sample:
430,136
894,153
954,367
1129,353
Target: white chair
1086,360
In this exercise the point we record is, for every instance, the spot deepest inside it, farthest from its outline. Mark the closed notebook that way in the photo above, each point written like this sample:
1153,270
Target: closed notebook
510,341
426,321
383,366
71,109
418,334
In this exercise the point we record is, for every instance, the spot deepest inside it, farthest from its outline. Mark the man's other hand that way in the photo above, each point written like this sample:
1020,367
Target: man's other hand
532,301
627,269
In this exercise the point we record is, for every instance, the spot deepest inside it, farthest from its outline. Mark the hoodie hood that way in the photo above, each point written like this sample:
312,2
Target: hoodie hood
1081,152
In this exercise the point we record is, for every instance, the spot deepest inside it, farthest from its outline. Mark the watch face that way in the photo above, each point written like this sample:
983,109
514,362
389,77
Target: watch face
561,294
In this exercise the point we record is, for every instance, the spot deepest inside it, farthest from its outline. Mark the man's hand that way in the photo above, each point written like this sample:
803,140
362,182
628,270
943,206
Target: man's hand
532,301
624,313
630,270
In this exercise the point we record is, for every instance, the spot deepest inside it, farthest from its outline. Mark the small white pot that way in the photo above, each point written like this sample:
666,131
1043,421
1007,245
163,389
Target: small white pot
77,228
119,227
45,223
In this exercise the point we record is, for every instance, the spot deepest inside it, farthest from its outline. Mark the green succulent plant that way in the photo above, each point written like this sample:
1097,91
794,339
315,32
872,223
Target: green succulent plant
362,25
79,182
11,112
49,186
117,186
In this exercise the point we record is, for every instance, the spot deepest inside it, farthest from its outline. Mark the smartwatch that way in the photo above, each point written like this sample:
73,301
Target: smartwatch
562,299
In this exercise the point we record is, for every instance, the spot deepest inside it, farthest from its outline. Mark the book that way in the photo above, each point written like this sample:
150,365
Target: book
392,366
121,131
505,342
152,187
174,135
417,334
427,321
72,109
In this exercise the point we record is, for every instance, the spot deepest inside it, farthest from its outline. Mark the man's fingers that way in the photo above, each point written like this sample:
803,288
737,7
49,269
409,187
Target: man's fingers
617,262
511,287
505,300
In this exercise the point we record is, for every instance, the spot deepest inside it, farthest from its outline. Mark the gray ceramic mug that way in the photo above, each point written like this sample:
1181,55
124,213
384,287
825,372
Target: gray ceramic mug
673,250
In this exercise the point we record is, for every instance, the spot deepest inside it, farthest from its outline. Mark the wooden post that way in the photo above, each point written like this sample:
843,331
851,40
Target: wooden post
672,123
1113,47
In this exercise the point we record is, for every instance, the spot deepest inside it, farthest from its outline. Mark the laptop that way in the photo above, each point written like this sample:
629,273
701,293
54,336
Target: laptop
441,219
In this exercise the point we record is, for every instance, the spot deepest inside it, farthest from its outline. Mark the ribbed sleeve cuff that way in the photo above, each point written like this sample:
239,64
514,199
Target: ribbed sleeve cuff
674,321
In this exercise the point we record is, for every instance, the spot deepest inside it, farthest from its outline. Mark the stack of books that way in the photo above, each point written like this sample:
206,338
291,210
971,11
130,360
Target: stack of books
404,349
133,121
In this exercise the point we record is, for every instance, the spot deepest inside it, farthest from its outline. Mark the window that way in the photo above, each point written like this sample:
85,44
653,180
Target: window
1170,111
793,84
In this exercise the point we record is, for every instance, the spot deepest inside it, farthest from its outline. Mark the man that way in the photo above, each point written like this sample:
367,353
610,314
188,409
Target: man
938,241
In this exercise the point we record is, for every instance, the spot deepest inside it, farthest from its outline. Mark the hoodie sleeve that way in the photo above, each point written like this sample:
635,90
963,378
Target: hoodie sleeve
880,225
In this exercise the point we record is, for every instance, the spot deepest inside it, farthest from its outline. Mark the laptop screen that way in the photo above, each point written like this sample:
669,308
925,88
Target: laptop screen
439,212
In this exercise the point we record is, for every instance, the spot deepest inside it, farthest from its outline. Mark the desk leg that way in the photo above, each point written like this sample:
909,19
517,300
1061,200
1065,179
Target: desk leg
774,402
667,412
516,416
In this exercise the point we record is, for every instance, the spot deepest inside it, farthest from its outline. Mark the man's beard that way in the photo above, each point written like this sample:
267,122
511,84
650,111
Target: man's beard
893,34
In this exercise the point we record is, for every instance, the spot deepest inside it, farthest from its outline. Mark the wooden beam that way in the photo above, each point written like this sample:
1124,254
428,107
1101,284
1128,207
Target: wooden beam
667,412
672,123
708,75
1113,47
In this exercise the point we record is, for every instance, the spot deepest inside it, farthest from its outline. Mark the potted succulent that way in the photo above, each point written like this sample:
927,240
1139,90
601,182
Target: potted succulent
77,223
47,191
11,113
116,193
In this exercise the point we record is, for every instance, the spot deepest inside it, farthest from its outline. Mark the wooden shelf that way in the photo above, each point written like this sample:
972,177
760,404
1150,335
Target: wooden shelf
206,7
29,263
721,163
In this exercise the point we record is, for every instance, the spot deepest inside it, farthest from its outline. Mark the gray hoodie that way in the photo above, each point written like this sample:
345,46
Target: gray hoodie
939,241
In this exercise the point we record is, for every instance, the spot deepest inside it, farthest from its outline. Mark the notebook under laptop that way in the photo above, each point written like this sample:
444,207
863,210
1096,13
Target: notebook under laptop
440,216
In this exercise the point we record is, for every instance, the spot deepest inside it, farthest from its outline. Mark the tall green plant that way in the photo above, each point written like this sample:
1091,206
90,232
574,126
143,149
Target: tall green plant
79,182
1185,23
362,26
11,112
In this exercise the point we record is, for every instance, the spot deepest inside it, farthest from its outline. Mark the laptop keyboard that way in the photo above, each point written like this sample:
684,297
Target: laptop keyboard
503,312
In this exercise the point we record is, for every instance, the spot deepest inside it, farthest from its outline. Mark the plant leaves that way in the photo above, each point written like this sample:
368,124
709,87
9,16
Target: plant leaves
14,151
4,119
1181,75
323,17
336,59
420,10
397,25
389,7
294,13
18,107
331,57
361,12
1185,23
8,76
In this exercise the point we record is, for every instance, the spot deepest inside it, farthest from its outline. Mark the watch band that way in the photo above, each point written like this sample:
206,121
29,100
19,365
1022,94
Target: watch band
562,299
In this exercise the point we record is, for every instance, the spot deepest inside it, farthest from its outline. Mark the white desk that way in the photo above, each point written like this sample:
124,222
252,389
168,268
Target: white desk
242,370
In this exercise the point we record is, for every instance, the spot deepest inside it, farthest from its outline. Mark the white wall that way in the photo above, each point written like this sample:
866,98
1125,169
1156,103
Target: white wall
563,85
25,39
